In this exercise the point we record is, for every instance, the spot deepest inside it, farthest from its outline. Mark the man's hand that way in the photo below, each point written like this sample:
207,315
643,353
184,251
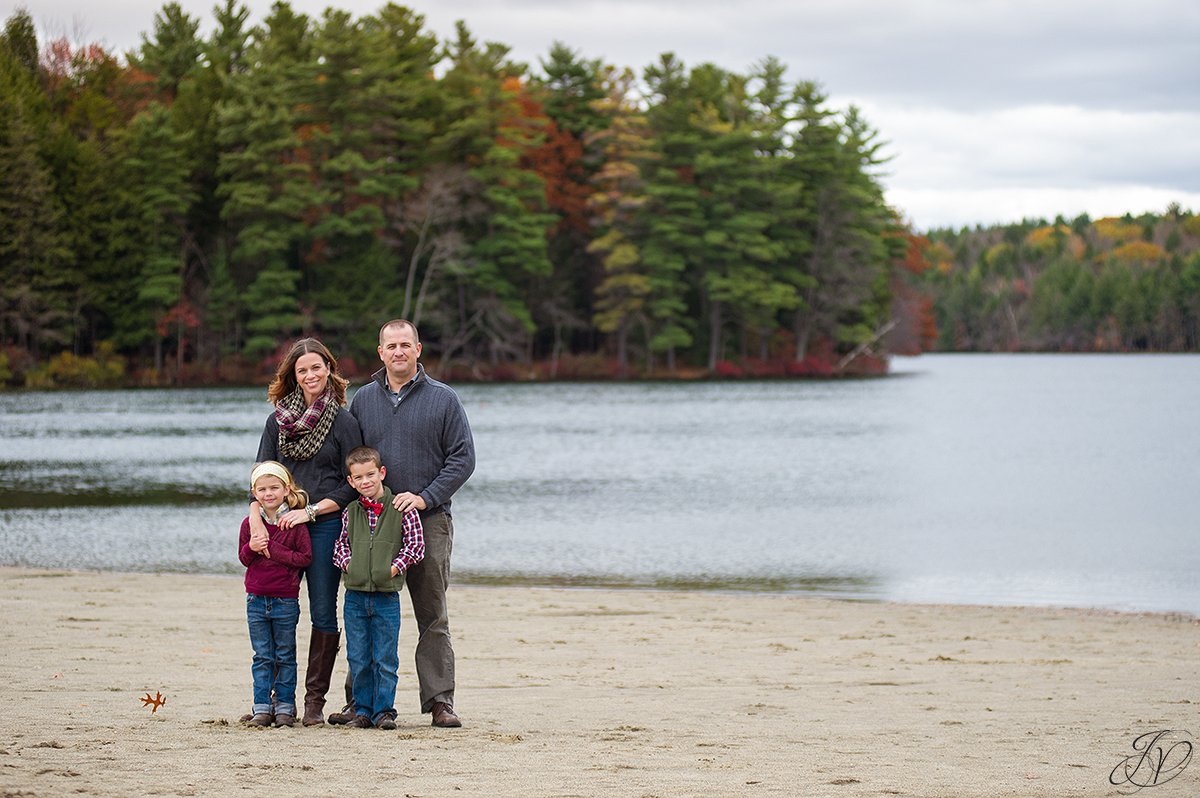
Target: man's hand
408,501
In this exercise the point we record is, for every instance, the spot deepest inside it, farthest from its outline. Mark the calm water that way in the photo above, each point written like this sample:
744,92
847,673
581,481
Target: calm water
999,479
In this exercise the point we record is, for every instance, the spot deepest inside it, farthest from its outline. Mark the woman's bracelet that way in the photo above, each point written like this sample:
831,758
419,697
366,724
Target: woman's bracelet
312,512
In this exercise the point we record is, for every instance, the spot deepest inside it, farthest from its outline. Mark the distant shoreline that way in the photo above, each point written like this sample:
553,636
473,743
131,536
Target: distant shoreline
775,372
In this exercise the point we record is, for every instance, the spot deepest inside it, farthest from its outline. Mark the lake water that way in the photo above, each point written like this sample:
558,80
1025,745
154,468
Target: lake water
996,479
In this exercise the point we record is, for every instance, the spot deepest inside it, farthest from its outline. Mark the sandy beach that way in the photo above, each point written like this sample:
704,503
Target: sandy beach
601,692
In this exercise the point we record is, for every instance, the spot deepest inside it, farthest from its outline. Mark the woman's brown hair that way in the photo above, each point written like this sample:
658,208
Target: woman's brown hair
285,376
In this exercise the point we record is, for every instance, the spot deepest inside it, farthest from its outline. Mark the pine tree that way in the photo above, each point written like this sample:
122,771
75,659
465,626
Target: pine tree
85,87
672,242
375,99
172,52
20,42
738,272
158,196
622,145
224,62
848,258
487,129
265,178
34,246
566,91
783,180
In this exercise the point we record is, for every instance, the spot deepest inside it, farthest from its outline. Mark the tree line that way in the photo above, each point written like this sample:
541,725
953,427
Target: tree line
180,212
1118,284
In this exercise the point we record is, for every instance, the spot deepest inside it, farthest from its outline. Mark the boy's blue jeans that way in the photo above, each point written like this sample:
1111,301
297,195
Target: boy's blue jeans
372,622
272,624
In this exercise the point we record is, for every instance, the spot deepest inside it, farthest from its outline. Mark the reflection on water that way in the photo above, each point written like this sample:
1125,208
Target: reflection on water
991,479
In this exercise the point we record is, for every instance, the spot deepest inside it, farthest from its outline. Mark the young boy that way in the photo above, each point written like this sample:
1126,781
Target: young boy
376,547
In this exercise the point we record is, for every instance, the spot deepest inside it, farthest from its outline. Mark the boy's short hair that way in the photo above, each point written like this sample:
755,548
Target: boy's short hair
363,454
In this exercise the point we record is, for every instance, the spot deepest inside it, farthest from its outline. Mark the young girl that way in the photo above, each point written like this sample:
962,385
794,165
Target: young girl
273,560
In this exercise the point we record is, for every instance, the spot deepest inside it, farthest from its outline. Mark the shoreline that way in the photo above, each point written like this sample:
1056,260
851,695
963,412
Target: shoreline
753,371
739,588
583,691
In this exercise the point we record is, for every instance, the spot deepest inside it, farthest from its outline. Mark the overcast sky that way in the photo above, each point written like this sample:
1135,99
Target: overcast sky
994,110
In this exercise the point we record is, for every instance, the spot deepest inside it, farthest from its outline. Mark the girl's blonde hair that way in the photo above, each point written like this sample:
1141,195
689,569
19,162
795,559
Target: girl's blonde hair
296,498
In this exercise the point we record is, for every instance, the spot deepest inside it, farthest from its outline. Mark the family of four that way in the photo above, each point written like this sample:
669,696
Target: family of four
361,495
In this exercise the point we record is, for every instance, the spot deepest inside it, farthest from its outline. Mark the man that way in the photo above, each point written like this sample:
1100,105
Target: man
420,429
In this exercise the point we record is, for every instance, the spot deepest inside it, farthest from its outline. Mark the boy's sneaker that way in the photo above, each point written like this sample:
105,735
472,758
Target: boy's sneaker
285,720
386,722
359,722
261,719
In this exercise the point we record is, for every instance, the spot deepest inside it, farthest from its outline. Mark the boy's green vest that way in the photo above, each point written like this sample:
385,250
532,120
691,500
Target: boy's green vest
371,556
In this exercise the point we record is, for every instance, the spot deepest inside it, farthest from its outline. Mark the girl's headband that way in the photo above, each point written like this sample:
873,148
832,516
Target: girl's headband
269,468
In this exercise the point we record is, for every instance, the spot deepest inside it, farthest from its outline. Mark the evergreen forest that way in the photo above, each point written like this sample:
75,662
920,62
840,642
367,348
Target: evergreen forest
180,213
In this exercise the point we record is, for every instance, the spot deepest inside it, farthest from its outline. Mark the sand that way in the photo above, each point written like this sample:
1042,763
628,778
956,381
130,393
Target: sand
600,692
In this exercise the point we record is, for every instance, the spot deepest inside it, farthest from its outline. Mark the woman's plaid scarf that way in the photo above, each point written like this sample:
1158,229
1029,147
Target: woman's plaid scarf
302,429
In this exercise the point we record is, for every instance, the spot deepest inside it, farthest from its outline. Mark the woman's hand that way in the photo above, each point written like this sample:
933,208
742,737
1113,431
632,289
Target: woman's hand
293,517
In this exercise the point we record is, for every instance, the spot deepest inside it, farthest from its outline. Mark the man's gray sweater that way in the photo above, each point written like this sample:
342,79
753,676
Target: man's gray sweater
424,439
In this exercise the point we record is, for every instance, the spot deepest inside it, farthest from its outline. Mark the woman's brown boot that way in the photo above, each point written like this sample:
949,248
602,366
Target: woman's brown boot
322,653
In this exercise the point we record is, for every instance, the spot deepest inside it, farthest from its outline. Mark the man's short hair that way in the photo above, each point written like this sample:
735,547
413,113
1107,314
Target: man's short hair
400,323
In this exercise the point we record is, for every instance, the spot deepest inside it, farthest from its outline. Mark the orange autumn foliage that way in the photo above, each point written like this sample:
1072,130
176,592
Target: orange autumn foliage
90,88
558,160
1139,252
916,326
525,120
1117,230
1047,238
939,256
58,63
914,256
134,91
912,308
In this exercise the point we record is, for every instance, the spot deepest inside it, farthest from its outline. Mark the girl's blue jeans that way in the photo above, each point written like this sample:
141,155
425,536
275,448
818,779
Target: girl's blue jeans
272,624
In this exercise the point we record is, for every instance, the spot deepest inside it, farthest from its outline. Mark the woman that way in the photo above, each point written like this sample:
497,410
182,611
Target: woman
311,432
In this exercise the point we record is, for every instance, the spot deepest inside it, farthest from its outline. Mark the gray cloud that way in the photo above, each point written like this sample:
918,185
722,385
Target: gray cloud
951,53
956,54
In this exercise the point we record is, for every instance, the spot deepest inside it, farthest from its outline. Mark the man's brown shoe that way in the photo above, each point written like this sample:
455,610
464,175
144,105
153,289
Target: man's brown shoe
359,722
261,719
343,717
285,720
444,717
386,722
